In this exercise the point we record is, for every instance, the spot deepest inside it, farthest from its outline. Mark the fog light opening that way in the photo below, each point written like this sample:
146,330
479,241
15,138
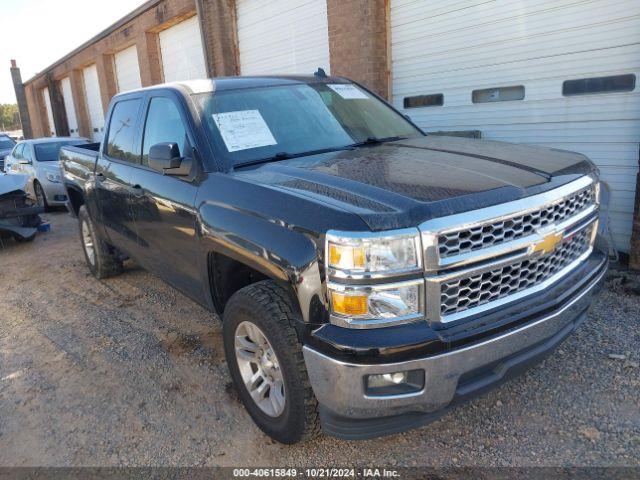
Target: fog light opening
395,383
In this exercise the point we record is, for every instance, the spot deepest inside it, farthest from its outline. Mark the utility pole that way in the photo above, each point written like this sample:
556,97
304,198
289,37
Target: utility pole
25,120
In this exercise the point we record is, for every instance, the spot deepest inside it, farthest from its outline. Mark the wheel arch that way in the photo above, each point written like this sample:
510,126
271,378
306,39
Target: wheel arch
240,249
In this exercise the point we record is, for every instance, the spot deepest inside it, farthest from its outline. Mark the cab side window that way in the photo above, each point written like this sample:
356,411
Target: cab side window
163,124
122,126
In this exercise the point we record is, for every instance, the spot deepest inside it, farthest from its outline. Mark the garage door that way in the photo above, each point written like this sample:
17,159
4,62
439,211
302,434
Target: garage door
282,36
47,105
69,107
182,52
127,69
94,102
516,56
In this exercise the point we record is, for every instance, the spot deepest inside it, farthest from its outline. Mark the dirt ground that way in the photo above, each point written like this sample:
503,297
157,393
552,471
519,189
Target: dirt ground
128,371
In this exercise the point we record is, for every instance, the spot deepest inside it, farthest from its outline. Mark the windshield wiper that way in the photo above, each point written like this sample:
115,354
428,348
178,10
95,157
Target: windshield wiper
376,141
286,156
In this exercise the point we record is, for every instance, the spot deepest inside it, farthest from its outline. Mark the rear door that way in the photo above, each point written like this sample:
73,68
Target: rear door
120,152
163,205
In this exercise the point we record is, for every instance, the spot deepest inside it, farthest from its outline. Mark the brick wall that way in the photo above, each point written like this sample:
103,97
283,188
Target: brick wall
141,30
358,43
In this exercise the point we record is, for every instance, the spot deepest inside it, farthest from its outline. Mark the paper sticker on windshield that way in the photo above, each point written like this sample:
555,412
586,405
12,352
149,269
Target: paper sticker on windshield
347,91
243,129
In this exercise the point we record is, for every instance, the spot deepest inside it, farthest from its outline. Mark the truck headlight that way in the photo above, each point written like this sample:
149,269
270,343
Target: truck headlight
54,177
373,254
373,305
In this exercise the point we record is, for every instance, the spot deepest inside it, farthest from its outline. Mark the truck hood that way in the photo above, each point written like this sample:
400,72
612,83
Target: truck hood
403,183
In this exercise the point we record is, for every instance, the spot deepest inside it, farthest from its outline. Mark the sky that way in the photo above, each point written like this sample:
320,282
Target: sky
36,33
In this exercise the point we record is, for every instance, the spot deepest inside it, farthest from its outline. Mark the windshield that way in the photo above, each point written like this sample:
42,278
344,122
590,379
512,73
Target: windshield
48,152
6,143
256,124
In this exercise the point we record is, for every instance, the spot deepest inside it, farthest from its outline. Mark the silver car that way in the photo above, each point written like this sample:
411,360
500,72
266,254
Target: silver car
39,160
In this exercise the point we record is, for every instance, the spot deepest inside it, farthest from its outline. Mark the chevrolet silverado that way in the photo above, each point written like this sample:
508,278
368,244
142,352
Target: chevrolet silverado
368,276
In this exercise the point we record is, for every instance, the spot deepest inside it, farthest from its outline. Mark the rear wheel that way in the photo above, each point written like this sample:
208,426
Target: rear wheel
102,260
266,363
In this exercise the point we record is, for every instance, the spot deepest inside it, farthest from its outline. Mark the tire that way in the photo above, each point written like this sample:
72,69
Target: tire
41,198
101,259
265,305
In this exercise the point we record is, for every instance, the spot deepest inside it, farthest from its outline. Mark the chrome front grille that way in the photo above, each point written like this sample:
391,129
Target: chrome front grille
511,228
478,260
469,292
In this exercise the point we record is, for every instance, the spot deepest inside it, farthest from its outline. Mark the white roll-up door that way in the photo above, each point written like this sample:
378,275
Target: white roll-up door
94,102
454,48
182,52
47,105
127,69
283,36
69,107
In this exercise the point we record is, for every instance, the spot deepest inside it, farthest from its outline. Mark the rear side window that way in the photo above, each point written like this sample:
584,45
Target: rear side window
163,124
585,86
121,141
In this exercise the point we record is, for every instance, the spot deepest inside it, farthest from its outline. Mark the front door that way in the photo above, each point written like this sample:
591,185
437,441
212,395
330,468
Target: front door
164,205
113,174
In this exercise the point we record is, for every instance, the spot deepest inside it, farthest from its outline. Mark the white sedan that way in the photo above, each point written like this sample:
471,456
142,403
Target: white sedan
39,160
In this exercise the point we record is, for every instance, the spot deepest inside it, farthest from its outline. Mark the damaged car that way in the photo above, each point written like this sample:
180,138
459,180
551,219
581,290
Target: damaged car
19,217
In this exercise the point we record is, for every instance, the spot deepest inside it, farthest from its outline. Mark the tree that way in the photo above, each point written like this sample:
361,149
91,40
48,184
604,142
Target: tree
9,117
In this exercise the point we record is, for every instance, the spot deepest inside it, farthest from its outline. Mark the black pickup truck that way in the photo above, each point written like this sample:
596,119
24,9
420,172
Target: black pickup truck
368,276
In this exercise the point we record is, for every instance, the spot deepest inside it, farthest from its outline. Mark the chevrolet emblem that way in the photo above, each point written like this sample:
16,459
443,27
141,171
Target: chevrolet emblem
549,243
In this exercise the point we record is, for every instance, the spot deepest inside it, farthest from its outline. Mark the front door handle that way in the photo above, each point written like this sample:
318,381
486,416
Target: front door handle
137,191
99,176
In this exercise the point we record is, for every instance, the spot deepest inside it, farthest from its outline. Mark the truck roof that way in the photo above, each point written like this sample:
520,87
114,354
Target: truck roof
209,85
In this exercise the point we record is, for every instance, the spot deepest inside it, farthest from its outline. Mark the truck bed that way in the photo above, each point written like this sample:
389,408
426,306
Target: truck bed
78,163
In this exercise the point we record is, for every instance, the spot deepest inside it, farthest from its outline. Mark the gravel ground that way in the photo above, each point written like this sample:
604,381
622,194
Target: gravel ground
128,371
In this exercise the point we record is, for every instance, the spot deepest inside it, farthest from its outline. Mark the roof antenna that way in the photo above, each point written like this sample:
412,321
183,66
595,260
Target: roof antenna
320,73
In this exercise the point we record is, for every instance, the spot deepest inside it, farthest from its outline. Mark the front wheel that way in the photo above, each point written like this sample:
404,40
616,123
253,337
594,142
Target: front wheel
41,198
266,363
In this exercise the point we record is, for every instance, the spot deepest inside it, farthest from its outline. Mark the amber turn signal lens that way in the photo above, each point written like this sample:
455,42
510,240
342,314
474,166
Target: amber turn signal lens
341,256
349,304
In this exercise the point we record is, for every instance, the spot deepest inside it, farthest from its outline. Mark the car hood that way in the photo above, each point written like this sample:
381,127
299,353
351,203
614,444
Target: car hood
403,183
53,167
4,153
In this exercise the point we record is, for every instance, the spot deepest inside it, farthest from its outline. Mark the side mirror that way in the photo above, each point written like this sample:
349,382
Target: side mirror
165,157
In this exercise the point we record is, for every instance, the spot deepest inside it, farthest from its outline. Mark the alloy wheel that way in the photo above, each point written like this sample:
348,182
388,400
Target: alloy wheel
260,369
87,242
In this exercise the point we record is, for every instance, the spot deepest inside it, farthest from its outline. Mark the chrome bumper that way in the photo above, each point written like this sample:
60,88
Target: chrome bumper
339,386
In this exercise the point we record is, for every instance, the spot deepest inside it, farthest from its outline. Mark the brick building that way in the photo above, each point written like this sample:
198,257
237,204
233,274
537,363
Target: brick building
552,73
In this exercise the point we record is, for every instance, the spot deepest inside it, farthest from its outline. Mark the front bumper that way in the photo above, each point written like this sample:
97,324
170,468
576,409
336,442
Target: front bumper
347,411
55,192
